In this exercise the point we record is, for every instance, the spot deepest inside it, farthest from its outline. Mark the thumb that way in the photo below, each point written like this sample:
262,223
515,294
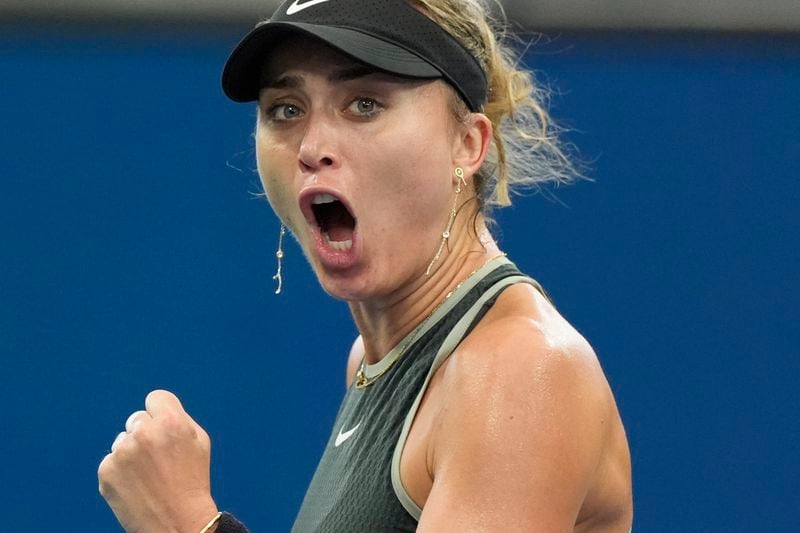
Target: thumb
159,402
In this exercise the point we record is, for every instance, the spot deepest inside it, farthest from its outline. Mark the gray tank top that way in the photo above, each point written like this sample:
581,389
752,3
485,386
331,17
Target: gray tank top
357,486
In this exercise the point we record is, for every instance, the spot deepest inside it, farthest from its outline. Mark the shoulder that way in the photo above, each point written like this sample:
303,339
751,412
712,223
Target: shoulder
530,366
525,404
524,344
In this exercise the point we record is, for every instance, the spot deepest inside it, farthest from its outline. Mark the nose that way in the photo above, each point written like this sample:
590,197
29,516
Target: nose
317,146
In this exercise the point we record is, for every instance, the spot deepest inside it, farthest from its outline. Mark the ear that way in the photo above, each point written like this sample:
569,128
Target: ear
471,144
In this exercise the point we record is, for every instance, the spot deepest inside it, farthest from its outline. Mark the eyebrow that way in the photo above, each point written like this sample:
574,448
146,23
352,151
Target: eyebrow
346,74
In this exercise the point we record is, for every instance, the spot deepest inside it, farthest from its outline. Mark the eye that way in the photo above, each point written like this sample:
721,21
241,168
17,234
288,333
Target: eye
364,106
283,112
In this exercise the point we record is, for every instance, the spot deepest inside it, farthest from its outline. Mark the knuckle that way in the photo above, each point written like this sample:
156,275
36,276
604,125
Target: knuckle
143,436
170,424
126,451
205,441
176,425
159,396
105,489
136,418
138,428
169,418
105,468
105,475
156,393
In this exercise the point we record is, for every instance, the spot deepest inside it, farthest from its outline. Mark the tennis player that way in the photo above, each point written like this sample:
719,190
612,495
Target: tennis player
387,130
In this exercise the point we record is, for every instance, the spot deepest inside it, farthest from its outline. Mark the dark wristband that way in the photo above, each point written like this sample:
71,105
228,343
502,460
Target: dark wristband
228,524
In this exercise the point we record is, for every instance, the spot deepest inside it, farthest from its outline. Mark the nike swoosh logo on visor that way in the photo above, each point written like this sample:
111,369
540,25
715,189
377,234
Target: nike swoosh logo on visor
341,437
297,7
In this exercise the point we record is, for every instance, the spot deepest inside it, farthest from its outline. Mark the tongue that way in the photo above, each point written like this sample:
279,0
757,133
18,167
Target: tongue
340,232
340,225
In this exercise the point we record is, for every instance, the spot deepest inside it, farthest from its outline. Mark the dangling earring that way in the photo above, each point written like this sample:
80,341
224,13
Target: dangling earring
446,233
279,254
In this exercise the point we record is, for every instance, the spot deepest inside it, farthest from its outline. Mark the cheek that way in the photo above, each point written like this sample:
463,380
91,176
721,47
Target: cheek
274,170
413,175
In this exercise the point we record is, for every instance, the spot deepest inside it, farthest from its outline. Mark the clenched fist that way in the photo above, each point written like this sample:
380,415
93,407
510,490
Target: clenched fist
156,478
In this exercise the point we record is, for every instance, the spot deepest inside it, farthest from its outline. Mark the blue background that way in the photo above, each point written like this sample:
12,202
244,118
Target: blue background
134,256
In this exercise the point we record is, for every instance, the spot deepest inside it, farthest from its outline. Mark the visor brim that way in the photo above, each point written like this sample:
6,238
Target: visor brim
242,73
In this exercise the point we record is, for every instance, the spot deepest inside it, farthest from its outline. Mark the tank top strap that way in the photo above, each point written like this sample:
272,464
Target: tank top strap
457,334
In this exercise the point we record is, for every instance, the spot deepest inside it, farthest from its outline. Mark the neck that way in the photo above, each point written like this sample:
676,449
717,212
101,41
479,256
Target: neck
384,323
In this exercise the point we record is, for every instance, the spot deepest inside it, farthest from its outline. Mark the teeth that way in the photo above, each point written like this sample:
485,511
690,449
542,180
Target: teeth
337,245
323,199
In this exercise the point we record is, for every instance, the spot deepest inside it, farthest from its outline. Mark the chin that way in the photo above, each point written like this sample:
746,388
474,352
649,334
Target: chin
343,291
345,285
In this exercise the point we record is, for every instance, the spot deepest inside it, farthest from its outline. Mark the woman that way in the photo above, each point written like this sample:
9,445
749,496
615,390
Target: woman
382,141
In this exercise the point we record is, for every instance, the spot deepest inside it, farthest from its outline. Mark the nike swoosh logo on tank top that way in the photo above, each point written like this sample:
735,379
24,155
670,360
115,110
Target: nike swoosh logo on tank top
341,437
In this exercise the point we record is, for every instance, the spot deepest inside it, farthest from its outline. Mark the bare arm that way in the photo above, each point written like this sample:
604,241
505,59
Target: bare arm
520,434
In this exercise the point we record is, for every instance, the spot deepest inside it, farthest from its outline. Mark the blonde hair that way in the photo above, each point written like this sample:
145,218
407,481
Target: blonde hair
526,151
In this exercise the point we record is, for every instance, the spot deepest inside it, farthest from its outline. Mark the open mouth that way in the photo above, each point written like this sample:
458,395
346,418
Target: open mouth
334,220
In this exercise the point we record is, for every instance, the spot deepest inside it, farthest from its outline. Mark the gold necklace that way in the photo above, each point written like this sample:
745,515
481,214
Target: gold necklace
362,381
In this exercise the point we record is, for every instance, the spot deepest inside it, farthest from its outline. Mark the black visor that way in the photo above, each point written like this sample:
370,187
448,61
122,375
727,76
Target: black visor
389,35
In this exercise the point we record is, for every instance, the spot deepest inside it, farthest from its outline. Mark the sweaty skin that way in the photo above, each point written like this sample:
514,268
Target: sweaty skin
518,430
